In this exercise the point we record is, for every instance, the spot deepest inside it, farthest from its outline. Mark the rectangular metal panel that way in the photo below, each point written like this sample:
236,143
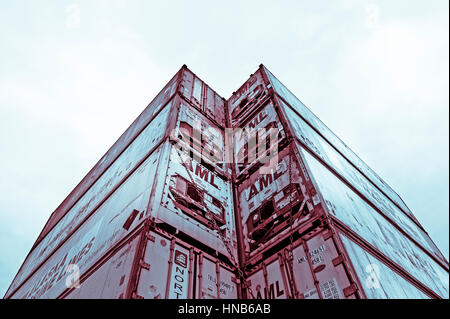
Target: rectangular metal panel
362,219
173,265
267,282
378,280
111,279
214,280
95,237
245,100
314,272
188,194
265,202
316,144
202,97
265,119
119,146
331,279
315,122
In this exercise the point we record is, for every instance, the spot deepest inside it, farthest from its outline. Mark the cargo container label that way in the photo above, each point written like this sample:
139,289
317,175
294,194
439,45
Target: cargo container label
179,278
323,150
330,289
361,218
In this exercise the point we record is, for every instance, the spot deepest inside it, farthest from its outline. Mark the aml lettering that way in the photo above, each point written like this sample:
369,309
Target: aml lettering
263,182
204,174
270,294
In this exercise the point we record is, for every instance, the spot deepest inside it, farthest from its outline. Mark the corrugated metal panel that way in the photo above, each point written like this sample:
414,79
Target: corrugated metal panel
267,200
364,221
316,144
214,280
202,97
111,222
296,104
110,281
378,280
177,270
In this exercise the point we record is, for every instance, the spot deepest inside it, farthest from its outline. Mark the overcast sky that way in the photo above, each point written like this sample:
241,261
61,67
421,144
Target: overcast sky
75,74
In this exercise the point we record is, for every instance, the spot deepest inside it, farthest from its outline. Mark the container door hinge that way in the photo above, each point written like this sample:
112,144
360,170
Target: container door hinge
350,290
144,265
236,280
136,296
338,260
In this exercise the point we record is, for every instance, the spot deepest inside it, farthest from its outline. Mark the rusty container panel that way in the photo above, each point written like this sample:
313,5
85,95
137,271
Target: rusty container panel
378,280
267,201
315,122
365,222
110,280
247,153
113,153
144,143
202,97
195,200
117,216
247,99
175,270
317,145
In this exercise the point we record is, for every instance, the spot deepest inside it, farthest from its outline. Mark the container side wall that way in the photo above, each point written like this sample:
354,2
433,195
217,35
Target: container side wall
358,216
317,145
110,280
315,122
119,146
149,138
379,281
111,222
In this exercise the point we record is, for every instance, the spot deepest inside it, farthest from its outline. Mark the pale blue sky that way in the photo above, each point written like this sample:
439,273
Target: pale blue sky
75,74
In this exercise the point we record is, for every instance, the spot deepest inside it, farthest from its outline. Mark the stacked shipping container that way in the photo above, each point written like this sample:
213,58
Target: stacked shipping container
152,219
253,197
